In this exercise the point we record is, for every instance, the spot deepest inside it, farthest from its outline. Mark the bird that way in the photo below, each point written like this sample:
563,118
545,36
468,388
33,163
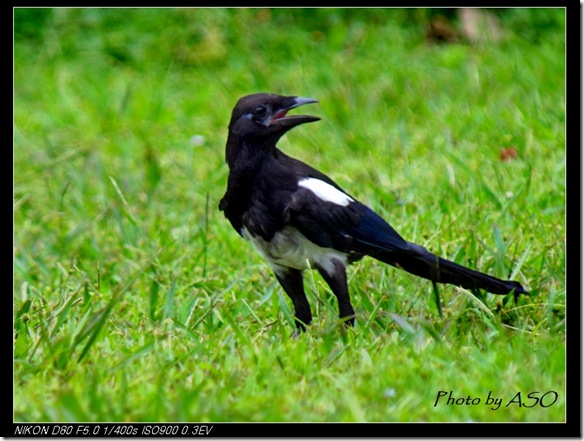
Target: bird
298,218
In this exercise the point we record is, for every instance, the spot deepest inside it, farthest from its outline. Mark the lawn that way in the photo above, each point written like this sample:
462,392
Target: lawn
133,298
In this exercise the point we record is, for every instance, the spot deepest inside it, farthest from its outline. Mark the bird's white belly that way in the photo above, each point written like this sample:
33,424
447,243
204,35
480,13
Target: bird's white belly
291,249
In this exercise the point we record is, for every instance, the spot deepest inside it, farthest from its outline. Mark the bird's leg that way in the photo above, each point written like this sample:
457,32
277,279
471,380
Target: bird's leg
291,281
337,280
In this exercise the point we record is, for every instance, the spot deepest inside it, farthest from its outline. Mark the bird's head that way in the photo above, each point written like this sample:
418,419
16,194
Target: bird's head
263,116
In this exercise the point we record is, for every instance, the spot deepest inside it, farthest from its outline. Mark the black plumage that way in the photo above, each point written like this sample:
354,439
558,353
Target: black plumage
297,217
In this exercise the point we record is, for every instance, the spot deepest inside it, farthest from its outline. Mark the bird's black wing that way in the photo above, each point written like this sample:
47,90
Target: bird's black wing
348,228
352,227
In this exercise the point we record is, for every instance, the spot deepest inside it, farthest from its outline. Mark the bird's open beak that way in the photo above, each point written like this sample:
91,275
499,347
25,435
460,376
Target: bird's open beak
281,119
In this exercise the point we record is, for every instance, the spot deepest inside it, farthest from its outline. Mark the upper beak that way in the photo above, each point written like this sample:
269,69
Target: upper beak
300,100
281,118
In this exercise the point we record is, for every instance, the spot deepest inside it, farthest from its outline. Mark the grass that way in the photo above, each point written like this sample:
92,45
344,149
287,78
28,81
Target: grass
134,300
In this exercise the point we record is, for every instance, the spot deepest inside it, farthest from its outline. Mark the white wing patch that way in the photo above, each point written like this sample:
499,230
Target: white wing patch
325,191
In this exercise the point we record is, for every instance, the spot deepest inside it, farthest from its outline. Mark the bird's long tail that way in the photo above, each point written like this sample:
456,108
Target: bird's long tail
422,263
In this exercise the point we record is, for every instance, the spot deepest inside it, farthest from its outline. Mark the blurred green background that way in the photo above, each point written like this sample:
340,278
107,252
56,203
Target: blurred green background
135,301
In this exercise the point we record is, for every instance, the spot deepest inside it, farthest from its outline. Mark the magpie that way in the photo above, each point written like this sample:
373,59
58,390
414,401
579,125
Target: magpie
297,218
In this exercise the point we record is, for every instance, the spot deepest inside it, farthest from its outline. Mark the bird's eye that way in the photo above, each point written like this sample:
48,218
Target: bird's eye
260,112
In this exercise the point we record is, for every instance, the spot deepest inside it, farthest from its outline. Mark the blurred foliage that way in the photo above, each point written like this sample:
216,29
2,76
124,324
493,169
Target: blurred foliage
201,35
